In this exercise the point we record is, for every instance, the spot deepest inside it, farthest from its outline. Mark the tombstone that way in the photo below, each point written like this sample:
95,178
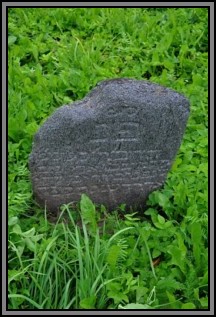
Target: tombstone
116,145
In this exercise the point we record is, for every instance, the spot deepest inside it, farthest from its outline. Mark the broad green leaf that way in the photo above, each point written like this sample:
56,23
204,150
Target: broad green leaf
113,255
154,216
168,224
196,236
169,283
204,301
178,257
180,194
12,221
13,128
88,212
188,306
88,303
114,286
11,40
176,163
158,224
141,292
30,244
161,219
118,297
21,116
181,244
35,52
156,253
17,229
204,279
172,301
31,128
203,168
87,206
29,233
131,217
163,200
155,59
14,275
21,248
168,64
150,212
37,237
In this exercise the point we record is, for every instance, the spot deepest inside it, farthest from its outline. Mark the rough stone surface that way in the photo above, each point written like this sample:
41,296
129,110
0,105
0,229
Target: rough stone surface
116,145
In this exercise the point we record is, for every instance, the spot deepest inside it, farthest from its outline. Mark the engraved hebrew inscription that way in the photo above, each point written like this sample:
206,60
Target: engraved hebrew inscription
116,145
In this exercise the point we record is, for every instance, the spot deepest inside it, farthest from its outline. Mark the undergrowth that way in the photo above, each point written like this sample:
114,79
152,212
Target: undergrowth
97,259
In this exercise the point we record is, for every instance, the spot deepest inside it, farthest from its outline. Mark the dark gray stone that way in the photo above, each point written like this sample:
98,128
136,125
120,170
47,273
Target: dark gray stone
116,145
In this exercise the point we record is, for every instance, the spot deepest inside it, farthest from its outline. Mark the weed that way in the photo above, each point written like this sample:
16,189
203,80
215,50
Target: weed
98,259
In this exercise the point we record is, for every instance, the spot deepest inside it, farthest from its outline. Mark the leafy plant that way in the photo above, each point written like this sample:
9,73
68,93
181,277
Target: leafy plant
101,260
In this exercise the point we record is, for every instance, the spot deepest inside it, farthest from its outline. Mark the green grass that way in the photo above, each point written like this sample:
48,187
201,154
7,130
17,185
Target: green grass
55,56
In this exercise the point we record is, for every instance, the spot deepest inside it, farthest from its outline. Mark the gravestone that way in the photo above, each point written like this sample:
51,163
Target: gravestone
116,145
